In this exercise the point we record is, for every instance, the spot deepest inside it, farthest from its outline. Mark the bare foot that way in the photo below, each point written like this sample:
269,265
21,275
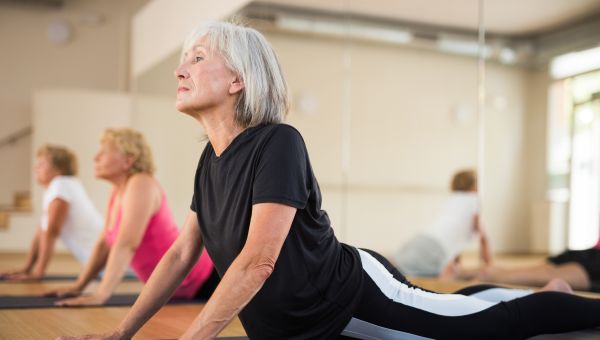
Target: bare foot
557,285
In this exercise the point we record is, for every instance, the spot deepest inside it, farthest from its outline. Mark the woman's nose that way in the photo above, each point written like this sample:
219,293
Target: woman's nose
181,73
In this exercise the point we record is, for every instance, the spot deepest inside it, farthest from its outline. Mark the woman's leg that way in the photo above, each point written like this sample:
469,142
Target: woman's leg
390,309
538,275
494,293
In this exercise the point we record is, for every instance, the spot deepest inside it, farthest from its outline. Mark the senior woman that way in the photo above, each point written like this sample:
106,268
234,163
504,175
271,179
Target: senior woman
257,208
139,226
68,214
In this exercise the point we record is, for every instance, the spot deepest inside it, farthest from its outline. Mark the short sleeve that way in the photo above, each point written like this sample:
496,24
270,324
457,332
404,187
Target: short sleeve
60,188
193,204
282,170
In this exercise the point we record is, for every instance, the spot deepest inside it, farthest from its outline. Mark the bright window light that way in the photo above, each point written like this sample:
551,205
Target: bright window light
571,64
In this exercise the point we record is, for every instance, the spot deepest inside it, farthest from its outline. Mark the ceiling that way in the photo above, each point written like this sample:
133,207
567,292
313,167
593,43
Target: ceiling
505,17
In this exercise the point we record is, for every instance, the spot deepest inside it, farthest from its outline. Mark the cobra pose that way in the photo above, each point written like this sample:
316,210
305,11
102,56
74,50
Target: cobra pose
68,214
139,226
257,209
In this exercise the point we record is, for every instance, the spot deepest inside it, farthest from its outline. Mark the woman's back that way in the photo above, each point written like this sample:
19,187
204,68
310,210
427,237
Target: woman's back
83,222
161,231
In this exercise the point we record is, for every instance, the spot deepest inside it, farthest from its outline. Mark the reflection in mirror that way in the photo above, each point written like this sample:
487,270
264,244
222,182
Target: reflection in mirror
386,99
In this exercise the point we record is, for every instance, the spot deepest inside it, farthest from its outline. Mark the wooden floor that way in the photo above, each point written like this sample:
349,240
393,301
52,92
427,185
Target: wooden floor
168,323
48,323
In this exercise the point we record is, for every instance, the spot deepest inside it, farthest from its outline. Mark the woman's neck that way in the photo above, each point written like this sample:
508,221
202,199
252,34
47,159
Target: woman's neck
221,130
47,184
119,183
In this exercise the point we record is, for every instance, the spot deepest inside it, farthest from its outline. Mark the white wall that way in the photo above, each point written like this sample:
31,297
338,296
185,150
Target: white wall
97,57
159,28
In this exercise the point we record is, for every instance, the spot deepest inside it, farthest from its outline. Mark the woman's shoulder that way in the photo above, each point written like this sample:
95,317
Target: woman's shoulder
141,180
143,185
62,183
283,133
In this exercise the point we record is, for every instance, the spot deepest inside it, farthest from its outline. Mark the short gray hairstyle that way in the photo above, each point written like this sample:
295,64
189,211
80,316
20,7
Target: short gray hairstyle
247,53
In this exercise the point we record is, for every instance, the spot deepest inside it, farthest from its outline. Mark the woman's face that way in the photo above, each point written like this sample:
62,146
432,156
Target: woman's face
110,162
205,82
44,171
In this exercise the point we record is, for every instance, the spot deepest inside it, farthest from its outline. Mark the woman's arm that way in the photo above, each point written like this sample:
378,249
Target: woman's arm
57,213
485,253
141,200
269,227
44,242
92,269
167,276
42,246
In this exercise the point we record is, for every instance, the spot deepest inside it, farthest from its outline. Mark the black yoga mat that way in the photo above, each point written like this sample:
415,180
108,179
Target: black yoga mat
64,277
27,301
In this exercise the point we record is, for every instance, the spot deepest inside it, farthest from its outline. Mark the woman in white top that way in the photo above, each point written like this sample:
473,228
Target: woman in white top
68,213
438,247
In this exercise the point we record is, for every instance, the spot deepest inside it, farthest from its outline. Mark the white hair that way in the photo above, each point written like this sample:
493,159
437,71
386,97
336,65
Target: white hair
247,53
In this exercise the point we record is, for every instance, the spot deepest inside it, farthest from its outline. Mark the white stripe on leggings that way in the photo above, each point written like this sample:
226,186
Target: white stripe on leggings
441,304
501,294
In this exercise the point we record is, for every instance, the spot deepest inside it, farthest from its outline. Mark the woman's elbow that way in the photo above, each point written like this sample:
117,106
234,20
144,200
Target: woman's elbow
263,268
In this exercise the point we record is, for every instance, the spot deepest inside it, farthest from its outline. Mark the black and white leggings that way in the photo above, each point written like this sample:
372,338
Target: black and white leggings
392,308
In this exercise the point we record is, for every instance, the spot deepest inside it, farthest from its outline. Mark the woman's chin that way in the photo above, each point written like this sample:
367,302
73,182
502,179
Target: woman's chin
183,107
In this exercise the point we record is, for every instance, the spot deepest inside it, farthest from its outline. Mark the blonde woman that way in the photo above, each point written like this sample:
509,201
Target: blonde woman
257,207
139,225
68,214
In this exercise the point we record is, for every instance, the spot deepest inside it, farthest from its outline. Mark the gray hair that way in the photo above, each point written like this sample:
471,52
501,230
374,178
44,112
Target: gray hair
247,53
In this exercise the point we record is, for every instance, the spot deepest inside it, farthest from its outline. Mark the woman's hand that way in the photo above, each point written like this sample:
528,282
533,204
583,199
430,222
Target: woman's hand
23,276
9,273
115,335
85,300
65,292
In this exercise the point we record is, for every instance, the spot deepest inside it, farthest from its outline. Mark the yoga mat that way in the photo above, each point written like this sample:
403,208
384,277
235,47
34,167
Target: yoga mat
586,334
26,301
64,277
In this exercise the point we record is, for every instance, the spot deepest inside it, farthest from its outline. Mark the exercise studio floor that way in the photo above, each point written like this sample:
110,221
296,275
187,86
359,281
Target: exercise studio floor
48,323
168,323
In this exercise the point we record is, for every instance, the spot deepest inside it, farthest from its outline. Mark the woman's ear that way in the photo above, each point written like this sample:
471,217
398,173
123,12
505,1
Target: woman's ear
237,85
129,160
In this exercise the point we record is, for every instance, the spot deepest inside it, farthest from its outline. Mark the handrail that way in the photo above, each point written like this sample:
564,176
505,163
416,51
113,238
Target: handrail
16,136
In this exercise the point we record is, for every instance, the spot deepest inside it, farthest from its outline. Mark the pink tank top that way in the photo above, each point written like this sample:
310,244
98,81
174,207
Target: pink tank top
160,233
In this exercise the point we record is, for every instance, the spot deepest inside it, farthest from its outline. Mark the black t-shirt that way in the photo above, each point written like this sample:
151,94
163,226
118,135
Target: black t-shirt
317,280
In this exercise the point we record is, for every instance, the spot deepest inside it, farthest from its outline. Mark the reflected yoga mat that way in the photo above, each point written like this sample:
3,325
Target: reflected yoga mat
27,301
